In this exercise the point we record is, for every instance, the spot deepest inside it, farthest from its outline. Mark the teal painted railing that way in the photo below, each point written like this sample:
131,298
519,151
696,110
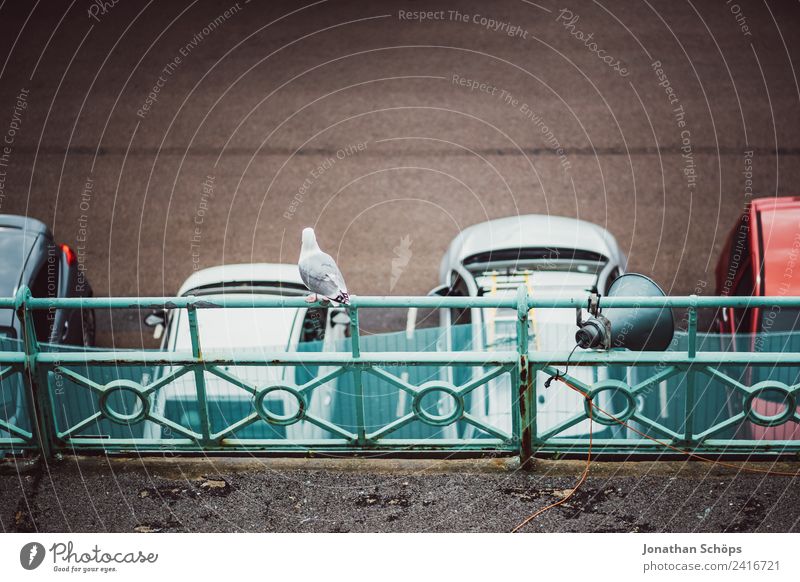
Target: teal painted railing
388,394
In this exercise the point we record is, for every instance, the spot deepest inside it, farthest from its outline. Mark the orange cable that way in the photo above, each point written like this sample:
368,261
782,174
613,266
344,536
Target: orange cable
640,433
580,482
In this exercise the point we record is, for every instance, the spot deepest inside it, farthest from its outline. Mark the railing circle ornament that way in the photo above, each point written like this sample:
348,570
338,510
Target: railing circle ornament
280,419
616,387
773,386
141,409
438,419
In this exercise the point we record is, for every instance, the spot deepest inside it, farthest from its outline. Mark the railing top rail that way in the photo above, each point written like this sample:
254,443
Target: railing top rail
233,300
466,358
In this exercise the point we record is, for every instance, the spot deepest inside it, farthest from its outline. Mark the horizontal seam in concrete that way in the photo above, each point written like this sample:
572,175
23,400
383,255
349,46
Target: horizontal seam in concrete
600,151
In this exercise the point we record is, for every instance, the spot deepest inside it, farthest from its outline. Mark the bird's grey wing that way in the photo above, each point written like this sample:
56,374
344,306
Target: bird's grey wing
321,275
335,274
304,275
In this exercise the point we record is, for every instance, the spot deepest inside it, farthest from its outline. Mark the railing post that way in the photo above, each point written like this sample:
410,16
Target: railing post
527,413
41,414
355,343
688,435
199,375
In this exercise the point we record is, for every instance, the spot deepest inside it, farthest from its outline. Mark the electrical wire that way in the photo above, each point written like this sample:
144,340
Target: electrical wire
561,377
558,375
580,482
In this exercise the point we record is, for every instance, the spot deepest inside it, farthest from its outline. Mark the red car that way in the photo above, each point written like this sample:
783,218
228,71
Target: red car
762,258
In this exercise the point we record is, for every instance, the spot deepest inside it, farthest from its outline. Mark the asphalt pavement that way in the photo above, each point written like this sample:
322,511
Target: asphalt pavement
95,494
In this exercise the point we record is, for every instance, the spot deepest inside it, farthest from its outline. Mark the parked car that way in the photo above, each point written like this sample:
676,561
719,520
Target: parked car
761,258
270,330
30,256
549,255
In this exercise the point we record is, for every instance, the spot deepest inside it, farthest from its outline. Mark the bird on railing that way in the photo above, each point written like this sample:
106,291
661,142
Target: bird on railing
319,272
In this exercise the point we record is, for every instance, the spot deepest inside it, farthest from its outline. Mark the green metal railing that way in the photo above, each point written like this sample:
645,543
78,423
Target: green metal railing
123,389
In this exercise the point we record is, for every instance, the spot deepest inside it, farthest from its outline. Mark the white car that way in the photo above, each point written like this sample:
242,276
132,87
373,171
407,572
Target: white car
267,329
550,256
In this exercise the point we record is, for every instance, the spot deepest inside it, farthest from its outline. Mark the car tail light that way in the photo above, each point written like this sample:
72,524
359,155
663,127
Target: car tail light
69,253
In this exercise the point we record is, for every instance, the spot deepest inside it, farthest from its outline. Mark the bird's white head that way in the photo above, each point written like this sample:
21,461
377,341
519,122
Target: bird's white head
309,241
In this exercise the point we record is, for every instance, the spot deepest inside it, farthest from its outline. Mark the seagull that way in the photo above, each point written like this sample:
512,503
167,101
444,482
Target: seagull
320,273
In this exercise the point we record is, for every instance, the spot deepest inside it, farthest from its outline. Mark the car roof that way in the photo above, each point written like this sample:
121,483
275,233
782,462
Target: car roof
24,223
534,231
776,203
246,272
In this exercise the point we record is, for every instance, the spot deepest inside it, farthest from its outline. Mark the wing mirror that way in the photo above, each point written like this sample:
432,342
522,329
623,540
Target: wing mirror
156,320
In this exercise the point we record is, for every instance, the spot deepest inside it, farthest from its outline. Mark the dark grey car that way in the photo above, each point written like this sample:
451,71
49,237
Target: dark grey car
30,256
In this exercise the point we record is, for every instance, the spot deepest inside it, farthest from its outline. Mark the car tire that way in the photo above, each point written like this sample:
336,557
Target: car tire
87,327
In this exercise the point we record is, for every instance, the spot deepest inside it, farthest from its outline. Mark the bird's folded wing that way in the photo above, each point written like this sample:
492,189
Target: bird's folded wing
322,275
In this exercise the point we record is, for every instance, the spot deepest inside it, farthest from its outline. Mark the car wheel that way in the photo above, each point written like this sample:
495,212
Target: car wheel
88,327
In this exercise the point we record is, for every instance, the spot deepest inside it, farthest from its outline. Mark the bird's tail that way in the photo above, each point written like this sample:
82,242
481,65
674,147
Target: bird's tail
343,298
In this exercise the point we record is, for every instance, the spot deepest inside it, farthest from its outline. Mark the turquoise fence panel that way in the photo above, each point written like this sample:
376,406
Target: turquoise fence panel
664,402
73,401
775,396
384,402
16,428
654,400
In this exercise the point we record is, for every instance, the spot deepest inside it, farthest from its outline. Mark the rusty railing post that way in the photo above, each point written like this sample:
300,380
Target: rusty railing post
525,382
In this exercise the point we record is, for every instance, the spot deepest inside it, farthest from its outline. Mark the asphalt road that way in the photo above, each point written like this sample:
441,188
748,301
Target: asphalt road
302,495
159,138
373,123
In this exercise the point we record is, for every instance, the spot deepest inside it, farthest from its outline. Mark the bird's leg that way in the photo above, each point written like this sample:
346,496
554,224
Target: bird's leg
317,298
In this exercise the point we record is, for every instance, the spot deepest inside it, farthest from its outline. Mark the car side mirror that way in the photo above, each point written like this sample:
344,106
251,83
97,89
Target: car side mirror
440,291
156,320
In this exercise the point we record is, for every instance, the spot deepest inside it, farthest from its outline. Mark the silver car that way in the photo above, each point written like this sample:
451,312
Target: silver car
281,329
550,256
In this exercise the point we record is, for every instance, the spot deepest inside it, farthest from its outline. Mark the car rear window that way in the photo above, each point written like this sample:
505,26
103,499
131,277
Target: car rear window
537,259
272,288
536,254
